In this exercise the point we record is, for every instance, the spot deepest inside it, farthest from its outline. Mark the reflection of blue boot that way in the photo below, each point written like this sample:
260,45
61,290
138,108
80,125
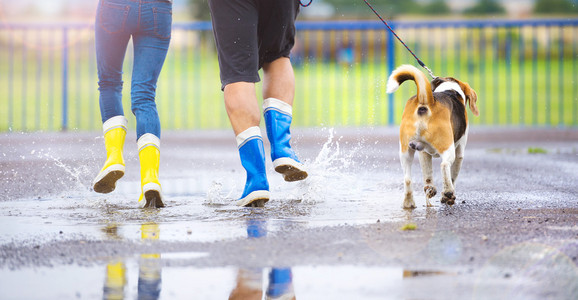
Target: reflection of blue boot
280,284
256,228
252,154
278,116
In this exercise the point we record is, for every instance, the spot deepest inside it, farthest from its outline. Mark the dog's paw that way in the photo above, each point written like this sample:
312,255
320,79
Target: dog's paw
430,191
408,203
448,198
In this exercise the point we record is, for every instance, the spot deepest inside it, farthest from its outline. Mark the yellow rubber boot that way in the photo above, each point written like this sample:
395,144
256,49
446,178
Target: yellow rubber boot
113,169
149,156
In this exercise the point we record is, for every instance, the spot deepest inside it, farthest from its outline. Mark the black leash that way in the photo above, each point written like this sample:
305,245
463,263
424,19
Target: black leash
406,47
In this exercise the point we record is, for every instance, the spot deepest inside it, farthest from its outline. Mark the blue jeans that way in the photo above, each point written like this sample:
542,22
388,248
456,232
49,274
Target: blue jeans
149,24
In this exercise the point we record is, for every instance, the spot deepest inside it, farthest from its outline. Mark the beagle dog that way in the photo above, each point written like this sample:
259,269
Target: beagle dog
434,123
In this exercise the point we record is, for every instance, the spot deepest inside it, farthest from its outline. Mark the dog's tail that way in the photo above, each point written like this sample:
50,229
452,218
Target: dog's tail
409,72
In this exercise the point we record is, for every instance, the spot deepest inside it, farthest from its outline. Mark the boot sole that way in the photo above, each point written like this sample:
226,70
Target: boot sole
105,182
254,199
152,195
153,199
290,169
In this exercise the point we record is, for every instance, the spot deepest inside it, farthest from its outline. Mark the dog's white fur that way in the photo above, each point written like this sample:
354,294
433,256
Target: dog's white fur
450,86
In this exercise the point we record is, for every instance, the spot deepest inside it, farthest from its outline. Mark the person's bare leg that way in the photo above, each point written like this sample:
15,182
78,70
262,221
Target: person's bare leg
241,100
245,115
242,106
279,80
278,93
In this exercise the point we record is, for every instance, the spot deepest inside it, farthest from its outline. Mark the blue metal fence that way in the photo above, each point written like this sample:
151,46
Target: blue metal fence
524,73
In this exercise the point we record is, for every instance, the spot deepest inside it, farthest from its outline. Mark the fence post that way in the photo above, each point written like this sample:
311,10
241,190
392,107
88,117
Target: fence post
11,82
65,79
390,67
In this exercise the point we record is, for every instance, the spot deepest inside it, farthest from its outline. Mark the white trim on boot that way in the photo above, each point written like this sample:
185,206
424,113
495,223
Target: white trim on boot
115,122
148,139
279,105
254,196
247,135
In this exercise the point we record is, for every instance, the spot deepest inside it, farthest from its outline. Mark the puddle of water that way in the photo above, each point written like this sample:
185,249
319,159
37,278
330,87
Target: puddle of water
149,277
158,276
186,218
200,207
515,273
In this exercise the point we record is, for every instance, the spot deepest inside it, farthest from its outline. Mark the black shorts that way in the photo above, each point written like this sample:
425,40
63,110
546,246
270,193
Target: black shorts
250,33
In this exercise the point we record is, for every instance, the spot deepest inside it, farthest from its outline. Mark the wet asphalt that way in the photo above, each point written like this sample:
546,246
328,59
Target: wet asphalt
512,233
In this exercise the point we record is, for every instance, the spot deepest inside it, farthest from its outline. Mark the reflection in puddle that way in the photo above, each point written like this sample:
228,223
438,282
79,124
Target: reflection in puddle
246,283
155,279
414,273
115,281
250,280
149,274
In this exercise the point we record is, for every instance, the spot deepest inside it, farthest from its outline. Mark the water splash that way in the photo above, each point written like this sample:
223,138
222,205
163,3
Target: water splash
328,171
214,194
74,172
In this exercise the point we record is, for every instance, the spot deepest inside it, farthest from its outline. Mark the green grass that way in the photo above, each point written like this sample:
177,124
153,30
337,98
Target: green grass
409,226
537,150
519,91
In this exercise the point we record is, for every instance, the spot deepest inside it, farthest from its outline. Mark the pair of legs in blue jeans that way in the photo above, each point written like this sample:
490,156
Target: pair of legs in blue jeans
148,22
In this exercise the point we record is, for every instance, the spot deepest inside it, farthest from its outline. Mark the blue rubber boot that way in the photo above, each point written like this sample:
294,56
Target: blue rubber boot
252,154
278,117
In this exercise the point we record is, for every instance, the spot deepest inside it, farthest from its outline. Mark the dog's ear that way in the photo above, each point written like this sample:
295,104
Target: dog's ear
436,82
471,97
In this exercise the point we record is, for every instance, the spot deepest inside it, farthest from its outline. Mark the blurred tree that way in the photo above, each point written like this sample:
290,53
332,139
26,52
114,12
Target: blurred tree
555,6
200,10
436,7
486,7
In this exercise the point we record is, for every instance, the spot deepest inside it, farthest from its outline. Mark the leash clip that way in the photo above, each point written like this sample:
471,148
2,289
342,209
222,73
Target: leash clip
430,72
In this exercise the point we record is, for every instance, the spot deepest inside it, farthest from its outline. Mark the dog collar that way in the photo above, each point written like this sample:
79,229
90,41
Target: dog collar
450,86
